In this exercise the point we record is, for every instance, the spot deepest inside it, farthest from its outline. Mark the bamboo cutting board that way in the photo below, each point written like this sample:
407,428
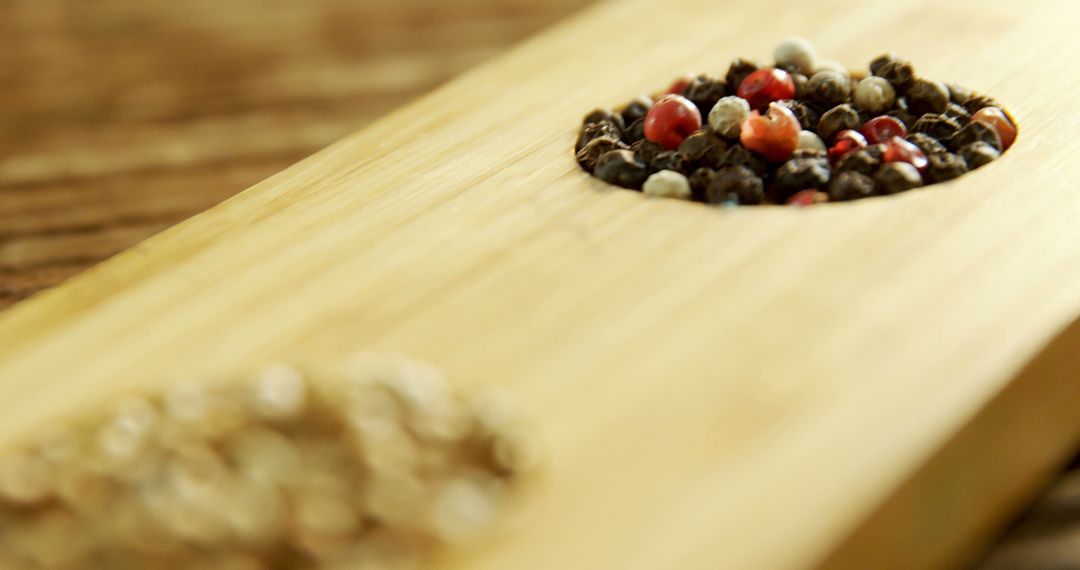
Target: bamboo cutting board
866,385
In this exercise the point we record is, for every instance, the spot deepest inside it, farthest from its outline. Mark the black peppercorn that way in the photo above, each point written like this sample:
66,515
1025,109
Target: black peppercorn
738,155
598,116
635,132
864,161
801,174
975,131
938,126
850,186
646,149
976,102
897,71
926,143
808,117
837,119
800,82
596,148
944,166
595,130
621,168
958,94
636,109
668,160
734,185
704,92
879,61
958,113
738,71
926,96
829,88
703,147
979,154
903,115
896,177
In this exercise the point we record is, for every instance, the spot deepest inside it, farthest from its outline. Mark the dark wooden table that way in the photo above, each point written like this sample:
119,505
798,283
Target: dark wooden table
119,118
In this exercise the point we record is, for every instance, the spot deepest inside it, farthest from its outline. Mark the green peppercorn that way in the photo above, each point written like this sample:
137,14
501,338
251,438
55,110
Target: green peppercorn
979,154
829,88
926,96
944,166
621,168
896,177
839,118
850,186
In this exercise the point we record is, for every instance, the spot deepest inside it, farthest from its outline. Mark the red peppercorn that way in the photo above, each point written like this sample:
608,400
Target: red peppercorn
807,198
846,141
882,129
679,86
997,118
670,120
900,150
774,136
765,86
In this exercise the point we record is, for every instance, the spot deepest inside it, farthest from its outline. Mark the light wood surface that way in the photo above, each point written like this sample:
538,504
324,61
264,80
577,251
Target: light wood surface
733,389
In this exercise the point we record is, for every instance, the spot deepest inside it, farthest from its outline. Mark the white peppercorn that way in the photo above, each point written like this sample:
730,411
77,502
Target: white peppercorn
875,95
808,140
726,116
667,184
796,54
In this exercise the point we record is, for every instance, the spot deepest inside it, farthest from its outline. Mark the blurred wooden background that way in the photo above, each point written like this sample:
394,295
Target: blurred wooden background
119,118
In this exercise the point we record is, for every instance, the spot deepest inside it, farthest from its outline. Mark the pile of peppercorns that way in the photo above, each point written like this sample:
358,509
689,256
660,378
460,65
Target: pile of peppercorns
802,132
373,464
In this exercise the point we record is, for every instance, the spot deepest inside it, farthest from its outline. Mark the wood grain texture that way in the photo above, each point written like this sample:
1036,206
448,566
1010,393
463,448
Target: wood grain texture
120,118
786,340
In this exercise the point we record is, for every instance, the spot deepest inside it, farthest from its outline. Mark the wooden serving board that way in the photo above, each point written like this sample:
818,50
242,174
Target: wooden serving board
867,385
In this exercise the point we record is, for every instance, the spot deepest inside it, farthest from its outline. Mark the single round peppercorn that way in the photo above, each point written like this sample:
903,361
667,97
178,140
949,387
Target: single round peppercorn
839,118
801,174
879,61
646,150
636,109
739,155
738,70
850,186
875,95
896,177
979,154
704,92
808,140
621,168
678,87
958,113
958,94
596,148
899,72
1001,123
796,54
926,96
598,116
944,166
727,116
978,101
774,136
765,86
670,120
846,141
900,150
596,130
807,198
938,126
864,160
734,184
800,82
667,184
882,129
704,148
829,88
634,132
973,132
926,143
807,116
669,160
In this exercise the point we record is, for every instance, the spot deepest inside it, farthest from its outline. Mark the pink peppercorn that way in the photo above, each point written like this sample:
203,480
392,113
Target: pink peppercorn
882,129
765,86
774,136
679,86
900,150
846,141
807,198
670,120
997,118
